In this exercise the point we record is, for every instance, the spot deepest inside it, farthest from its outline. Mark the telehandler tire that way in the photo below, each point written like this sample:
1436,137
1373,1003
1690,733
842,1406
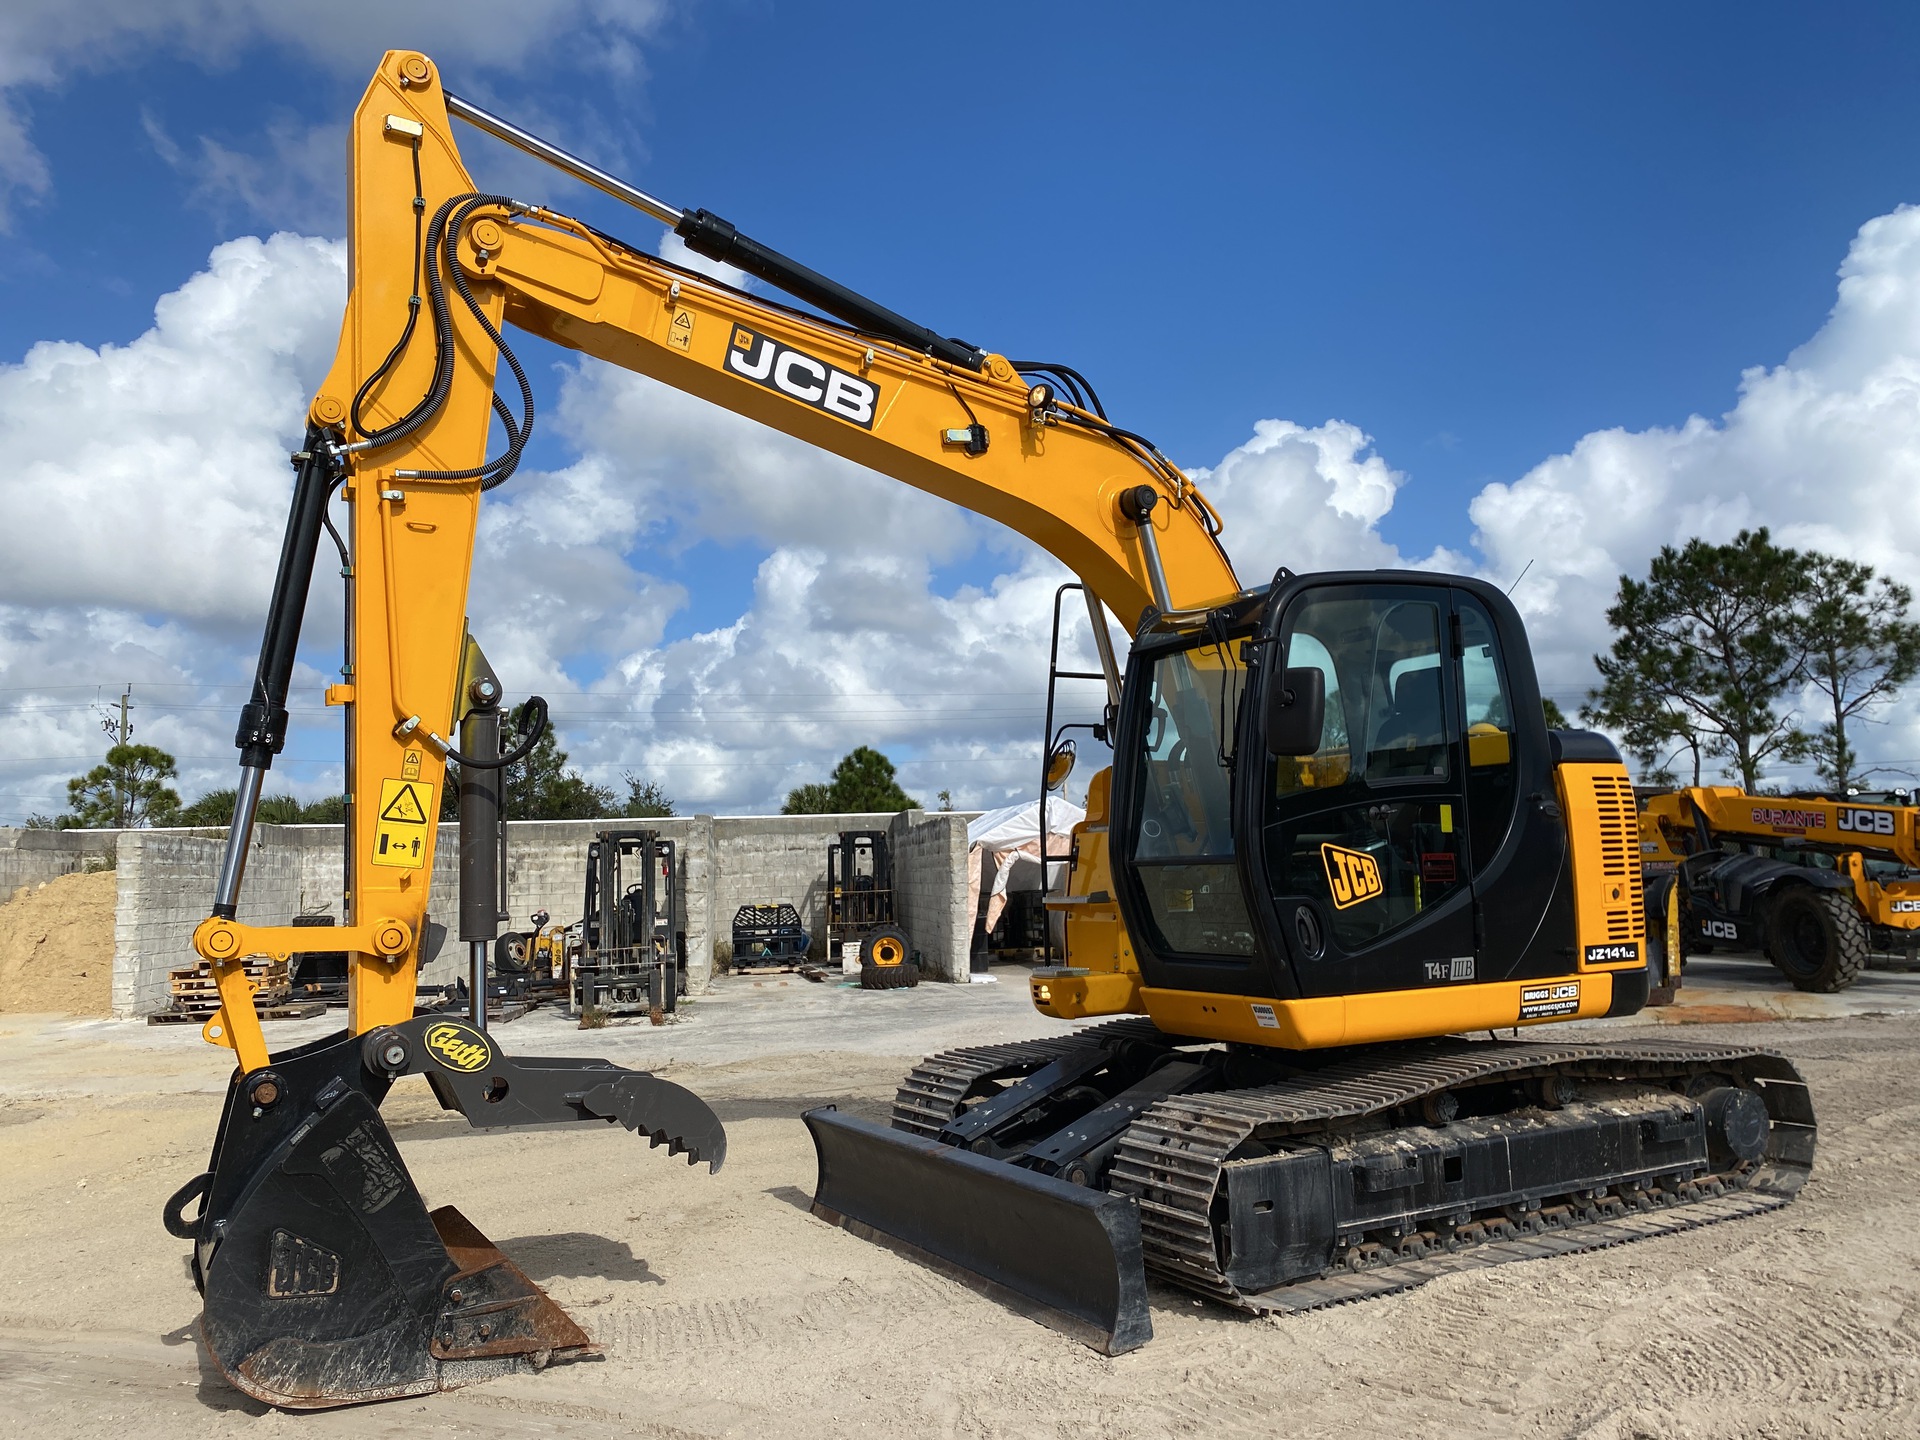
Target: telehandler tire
886,961
1817,939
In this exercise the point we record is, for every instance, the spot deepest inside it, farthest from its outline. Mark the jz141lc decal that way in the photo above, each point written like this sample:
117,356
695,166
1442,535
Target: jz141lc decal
1612,954
798,376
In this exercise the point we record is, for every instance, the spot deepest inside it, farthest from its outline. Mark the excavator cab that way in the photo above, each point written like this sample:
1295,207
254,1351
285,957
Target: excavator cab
1317,792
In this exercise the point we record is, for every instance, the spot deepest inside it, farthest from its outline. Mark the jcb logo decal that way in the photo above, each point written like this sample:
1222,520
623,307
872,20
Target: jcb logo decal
459,1047
1866,822
1352,875
1719,930
765,361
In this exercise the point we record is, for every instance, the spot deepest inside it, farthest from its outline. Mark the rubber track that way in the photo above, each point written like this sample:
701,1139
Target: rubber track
1171,1159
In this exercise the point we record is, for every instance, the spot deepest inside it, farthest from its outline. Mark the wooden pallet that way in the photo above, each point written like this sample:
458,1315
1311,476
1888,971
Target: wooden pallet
196,996
305,1010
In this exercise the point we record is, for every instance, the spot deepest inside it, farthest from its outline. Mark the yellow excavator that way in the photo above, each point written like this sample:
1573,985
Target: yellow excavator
1336,838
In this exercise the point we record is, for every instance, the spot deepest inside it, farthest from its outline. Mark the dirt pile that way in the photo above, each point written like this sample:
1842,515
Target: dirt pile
56,947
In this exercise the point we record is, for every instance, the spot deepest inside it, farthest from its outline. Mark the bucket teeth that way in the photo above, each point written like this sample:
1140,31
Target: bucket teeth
665,1114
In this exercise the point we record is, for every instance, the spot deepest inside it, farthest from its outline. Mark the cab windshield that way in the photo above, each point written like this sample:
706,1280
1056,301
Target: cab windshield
1183,849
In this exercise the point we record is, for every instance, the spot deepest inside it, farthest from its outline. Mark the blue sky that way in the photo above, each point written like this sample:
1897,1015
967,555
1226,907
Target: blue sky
1477,233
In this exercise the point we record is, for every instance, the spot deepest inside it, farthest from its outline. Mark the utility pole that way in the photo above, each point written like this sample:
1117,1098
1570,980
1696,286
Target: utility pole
120,734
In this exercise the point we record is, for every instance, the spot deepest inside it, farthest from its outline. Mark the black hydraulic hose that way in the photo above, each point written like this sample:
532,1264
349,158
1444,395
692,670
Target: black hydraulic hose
536,708
1075,382
442,256
413,302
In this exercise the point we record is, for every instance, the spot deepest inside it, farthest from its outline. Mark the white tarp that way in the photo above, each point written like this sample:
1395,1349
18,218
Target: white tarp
1013,825
1007,840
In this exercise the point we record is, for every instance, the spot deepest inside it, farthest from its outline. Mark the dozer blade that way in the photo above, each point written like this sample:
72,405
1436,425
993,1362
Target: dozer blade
326,1282
1065,1254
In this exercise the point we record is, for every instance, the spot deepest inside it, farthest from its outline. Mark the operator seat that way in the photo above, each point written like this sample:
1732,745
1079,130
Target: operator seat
1413,734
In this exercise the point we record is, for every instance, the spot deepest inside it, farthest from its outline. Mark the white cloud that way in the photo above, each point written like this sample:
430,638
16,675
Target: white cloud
1306,499
145,494
698,472
1822,448
144,500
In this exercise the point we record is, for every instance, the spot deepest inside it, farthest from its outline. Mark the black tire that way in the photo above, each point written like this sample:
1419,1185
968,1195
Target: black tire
1817,939
886,960
889,977
511,952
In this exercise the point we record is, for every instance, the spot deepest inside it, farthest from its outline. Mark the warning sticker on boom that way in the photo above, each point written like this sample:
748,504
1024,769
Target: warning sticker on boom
1543,1002
400,826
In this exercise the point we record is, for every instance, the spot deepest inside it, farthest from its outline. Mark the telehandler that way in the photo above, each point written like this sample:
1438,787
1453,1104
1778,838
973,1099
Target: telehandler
1336,838
1819,884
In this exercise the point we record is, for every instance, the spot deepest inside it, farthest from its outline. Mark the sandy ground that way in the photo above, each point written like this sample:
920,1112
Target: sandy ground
725,1309
56,946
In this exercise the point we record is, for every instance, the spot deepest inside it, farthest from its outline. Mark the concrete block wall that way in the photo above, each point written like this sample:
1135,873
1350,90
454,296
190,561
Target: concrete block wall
930,876
164,886
764,858
33,857
165,883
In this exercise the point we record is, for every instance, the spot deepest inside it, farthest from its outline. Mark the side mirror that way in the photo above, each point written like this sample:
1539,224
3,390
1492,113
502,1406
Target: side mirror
1296,711
1060,765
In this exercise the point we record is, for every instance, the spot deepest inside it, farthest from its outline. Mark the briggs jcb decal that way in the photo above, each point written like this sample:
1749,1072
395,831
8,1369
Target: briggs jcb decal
1542,1002
459,1047
1352,875
798,376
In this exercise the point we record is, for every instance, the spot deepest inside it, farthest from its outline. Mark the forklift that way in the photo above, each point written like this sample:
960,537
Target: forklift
861,921
633,939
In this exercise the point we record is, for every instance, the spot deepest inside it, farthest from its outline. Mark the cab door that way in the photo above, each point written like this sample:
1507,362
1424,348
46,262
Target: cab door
1516,848
1364,843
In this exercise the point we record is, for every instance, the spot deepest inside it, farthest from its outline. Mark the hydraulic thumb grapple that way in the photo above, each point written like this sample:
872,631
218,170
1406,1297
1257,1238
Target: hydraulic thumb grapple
326,1280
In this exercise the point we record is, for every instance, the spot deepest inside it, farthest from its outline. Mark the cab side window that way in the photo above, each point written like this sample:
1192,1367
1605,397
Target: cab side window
1491,749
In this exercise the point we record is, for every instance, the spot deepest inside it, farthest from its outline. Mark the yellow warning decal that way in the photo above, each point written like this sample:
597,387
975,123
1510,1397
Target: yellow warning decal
400,827
1352,875
680,331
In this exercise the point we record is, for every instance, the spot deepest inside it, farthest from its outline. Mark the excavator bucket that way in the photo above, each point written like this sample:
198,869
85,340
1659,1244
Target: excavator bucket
1062,1253
326,1281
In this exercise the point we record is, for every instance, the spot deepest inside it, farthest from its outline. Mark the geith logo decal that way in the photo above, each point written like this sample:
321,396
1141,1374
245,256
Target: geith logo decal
459,1047
765,361
1352,875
